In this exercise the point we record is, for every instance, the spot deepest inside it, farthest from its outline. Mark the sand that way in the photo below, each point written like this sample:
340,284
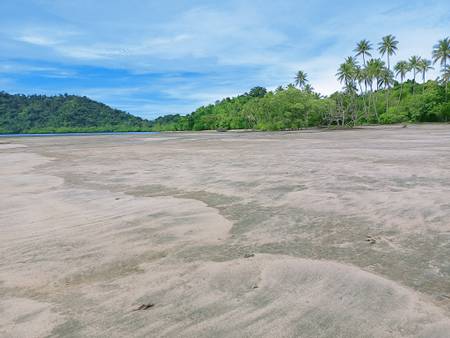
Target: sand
289,234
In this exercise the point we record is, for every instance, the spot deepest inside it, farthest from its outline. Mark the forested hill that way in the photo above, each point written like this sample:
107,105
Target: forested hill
63,113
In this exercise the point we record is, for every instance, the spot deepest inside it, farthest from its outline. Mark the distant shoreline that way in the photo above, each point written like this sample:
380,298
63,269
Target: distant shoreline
309,130
78,134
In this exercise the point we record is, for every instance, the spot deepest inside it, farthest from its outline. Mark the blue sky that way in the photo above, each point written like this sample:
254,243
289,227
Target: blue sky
158,57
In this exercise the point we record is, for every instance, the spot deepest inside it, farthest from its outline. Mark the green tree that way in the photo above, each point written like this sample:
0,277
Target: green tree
388,47
258,91
346,73
374,71
424,67
441,53
363,48
401,68
414,64
446,74
386,79
308,88
301,79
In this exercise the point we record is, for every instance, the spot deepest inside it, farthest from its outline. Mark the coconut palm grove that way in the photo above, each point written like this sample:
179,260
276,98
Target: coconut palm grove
374,91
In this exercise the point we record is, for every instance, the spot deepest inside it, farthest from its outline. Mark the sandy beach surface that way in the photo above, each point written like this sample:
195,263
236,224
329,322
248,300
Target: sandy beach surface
288,234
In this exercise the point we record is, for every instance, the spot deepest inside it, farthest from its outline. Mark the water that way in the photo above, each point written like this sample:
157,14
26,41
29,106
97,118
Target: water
82,134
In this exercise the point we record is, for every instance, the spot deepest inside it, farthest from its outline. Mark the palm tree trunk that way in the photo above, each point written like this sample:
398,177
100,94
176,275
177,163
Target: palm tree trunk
446,90
363,97
446,82
387,100
374,101
389,63
401,92
423,82
375,109
365,80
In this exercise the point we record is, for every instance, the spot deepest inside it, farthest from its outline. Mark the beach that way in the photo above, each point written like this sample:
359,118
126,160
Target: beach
316,233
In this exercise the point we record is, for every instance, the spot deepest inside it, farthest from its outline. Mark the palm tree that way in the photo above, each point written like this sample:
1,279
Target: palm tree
370,71
308,88
414,62
347,71
374,73
386,79
360,78
441,53
347,74
424,67
445,74
445,77
375,68
363,48
388,46
401,68
301,79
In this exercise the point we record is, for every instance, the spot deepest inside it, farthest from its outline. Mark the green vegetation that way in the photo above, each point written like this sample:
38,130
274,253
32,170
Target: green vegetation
63,114
288,108
373,92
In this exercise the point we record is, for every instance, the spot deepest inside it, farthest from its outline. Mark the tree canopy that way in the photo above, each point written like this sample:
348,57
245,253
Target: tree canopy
63,113
372,93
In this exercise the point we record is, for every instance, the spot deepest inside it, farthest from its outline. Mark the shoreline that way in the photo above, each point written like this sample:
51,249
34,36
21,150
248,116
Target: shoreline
310,129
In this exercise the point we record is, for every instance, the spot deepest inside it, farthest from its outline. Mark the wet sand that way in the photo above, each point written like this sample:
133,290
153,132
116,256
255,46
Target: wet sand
289,234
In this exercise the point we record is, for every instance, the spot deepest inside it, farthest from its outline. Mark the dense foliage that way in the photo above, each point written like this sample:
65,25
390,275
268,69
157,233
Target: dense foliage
287,108
63,113
370,95
292,108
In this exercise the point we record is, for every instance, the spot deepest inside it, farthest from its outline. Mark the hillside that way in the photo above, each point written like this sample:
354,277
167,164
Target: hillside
63,113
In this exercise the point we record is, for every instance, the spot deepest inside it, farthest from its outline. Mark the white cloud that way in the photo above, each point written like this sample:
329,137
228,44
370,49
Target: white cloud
39,40
19,68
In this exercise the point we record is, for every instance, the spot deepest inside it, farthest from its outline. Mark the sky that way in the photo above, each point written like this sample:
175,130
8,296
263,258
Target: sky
152,58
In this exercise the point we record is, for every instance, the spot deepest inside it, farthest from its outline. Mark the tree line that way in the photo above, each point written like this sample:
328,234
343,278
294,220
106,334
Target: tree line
374,91
361,80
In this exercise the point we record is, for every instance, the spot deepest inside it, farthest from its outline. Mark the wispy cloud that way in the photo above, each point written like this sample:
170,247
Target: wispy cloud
37,40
